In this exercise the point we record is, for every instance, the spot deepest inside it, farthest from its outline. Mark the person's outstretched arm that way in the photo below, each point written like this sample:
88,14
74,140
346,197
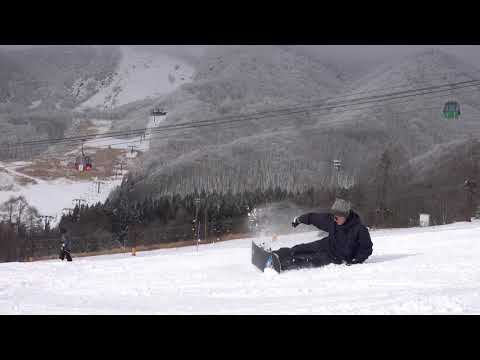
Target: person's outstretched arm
323,221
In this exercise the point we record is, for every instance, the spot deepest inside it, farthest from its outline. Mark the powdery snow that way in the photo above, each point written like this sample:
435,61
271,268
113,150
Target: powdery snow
140,75
412,271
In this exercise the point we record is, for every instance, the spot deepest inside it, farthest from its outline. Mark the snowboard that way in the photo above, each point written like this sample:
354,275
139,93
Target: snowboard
261,256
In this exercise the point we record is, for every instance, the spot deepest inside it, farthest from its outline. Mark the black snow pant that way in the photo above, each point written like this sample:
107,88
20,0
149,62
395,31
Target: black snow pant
314,254
65,253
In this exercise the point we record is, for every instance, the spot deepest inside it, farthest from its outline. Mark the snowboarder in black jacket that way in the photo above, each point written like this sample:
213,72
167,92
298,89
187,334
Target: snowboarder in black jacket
348,240
66,246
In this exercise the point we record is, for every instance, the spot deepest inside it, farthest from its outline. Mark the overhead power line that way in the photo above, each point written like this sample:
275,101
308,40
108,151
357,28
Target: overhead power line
334,122
259,115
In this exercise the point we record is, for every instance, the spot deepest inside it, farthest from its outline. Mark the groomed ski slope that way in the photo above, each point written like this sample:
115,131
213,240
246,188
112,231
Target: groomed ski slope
433,270
141,74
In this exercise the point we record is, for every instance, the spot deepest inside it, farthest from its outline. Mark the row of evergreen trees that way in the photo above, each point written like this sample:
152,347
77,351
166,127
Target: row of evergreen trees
124,220
387,198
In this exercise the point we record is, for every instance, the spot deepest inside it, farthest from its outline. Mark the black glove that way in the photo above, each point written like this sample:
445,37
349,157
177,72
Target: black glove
295,222
352,262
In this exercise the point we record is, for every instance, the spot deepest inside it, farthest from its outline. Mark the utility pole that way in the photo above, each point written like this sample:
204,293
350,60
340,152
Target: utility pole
132,147
337,166
386,164
470,184
197,225
98,182
153,114
470,188
206,222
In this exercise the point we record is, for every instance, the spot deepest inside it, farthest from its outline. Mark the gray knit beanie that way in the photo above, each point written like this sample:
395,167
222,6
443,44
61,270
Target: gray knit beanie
341,207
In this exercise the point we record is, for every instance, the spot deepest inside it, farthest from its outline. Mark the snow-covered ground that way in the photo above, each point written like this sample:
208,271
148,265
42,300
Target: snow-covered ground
141,143
412,271
51,197
140,75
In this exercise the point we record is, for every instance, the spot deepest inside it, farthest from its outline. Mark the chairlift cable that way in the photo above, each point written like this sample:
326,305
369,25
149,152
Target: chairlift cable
259,115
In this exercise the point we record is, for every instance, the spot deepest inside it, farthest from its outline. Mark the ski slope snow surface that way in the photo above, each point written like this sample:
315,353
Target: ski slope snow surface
141,75
431,270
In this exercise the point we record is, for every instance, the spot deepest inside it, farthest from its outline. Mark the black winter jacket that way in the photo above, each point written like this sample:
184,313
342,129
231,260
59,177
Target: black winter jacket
67,241
349,242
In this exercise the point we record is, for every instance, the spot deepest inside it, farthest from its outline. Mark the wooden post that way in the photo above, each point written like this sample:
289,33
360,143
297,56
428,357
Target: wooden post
206,223
197,223
198,233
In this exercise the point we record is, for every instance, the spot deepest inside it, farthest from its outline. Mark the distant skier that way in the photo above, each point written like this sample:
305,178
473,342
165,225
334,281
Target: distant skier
348,240
66,247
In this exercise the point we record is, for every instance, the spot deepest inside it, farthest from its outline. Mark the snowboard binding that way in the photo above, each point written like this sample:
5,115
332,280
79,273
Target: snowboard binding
263,258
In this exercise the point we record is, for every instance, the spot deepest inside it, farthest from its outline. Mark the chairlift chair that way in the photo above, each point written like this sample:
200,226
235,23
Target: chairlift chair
87,163
337,164
82,162
158,112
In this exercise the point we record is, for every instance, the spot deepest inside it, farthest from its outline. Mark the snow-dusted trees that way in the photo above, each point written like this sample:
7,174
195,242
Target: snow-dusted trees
18,212
19,220
262,171
169,218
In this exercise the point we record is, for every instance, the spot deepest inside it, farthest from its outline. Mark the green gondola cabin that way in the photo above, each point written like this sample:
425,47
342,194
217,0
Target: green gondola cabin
451,110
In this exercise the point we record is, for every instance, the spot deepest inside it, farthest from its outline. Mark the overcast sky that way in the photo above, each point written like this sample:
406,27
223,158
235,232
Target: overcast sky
470,53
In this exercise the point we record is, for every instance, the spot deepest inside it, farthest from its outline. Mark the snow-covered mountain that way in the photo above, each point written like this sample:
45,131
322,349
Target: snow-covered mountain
140,74
291,151
238,80
90,77
297,150
53,78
